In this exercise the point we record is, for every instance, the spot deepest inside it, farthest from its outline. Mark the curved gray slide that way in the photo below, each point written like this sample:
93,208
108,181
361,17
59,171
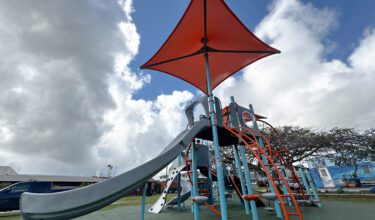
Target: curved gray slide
77,202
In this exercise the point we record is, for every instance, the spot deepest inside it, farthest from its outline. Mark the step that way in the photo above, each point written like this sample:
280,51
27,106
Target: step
269,196
293,213
285,195
252,197
269,209
302,201
314,201
294,185
199,199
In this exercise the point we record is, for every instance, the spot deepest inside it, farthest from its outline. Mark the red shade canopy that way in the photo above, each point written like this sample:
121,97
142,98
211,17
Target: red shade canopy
229,44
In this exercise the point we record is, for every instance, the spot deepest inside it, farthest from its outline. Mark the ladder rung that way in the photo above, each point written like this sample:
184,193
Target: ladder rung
293,213
285,195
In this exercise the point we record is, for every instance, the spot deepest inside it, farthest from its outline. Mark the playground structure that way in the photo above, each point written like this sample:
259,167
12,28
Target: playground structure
208,45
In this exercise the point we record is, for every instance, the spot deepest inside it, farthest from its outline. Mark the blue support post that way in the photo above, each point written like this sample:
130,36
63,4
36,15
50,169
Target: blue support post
236,170
235,123
144,201
211,191
276,202
211,197
288,199
253,205
240,175
304,181
179,185
265,161
313,188
218,162
284,187
194,192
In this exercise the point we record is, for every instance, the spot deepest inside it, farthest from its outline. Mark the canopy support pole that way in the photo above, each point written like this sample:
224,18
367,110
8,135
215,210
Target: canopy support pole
219,163
211,106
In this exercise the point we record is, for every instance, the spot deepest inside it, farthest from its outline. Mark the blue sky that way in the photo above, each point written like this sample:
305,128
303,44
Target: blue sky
72,99
156,19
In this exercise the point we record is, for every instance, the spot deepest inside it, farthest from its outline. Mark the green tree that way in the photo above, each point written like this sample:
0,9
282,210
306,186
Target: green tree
301,143
349,147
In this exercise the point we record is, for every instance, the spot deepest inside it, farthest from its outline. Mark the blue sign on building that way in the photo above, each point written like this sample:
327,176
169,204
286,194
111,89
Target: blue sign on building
342,176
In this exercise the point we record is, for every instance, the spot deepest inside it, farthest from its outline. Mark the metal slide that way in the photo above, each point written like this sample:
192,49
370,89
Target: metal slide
77,202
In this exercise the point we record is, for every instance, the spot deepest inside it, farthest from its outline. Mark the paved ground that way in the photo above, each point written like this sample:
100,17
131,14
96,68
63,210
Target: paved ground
331,210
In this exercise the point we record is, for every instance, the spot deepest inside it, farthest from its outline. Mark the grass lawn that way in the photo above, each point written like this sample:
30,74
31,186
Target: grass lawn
347,199
134,201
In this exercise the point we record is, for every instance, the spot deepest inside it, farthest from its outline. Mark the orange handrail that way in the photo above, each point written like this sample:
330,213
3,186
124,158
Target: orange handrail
290,167
240,136
281,177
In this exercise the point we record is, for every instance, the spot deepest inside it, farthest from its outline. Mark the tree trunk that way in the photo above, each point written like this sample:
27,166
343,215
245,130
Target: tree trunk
355,170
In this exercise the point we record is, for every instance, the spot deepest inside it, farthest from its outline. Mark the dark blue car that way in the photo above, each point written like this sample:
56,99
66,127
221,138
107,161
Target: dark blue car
10,196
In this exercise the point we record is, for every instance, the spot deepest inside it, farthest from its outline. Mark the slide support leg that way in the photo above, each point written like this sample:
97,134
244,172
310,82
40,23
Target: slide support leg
195,180
144,201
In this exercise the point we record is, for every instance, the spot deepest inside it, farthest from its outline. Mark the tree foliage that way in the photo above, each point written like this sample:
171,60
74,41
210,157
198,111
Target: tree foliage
343,146
348,147
301,143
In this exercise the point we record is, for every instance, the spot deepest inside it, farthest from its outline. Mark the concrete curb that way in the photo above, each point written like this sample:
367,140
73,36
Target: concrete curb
10,213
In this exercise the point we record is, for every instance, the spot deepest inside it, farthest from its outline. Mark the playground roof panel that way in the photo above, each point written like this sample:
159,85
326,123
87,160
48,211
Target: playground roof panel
230,45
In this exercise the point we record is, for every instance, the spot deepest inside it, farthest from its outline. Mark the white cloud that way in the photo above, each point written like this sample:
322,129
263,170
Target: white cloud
300,86
66,104
141,129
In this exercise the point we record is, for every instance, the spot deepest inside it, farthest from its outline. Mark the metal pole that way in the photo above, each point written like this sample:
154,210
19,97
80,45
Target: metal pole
235,123
253,205
265,161
304,181
219,163
144,201
284,187
211,196
195,181
313,188
179,185
239,170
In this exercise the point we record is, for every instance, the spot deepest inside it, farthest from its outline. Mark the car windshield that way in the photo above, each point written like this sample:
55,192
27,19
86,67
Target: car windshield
22,187
17,187
7,187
